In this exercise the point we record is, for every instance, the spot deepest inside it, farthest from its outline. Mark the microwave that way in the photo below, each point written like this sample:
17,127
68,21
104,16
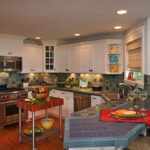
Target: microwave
10,63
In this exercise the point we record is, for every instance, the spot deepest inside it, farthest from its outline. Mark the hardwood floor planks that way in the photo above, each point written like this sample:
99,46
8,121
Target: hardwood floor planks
9,139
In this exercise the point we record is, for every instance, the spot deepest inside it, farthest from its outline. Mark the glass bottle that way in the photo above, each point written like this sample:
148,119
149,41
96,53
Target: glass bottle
136,93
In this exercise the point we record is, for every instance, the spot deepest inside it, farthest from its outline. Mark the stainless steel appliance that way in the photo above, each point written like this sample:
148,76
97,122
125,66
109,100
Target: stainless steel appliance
9,112
10,63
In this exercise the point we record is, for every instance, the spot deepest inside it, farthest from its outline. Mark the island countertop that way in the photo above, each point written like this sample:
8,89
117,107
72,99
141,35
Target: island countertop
87,131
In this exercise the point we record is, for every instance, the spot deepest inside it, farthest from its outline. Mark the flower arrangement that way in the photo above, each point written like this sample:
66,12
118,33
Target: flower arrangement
71,80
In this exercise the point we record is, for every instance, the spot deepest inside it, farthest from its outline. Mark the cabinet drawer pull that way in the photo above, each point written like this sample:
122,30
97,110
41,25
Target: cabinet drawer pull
93,98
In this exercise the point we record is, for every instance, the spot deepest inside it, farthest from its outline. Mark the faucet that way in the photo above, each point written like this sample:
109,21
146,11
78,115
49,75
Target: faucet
127,85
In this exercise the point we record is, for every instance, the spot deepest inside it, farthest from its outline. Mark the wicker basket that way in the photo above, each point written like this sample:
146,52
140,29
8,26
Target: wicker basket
40,95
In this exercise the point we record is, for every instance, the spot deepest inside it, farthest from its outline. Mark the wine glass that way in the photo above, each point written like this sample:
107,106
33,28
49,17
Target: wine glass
131,98
143,97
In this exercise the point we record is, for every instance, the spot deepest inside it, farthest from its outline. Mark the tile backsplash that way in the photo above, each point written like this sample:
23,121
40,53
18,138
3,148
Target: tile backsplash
107,81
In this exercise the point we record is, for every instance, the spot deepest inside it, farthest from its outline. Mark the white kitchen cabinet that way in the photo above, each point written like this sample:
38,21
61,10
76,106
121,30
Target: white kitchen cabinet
75,59
32,58
96,100
99,57
86,55
11,45
63,58
68,106
91,57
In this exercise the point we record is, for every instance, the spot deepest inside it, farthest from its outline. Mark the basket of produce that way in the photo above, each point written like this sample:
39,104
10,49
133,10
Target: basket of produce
40,93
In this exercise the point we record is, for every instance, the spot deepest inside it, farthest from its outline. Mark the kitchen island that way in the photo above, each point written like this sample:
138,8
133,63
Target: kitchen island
86,132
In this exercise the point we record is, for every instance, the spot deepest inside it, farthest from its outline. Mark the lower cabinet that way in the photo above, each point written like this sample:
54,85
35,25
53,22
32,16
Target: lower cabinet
96,100
81,101
67,108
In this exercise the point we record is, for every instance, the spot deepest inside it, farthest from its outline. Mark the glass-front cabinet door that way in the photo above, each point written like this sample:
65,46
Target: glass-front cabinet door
49,59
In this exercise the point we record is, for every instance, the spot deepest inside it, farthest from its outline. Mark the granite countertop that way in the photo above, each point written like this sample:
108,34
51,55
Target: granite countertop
104,93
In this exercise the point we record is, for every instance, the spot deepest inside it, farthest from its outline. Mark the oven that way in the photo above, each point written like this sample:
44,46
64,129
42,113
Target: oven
9,112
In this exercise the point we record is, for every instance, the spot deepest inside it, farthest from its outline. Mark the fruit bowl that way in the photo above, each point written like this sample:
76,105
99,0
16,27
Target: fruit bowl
40,95
47,123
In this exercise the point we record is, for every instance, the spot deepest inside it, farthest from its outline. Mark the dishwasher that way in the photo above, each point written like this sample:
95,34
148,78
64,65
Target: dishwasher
81,101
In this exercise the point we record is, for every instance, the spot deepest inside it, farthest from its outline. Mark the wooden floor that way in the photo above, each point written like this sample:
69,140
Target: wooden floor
9,139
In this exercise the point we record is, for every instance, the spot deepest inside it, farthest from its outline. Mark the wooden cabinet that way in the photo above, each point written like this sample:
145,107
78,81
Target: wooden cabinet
11,45
96,100
32,58
81,101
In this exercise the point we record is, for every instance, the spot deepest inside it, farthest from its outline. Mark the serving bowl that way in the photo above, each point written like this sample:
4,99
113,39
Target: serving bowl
47,123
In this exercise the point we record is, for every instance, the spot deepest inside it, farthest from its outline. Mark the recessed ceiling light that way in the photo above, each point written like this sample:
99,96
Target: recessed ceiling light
38,38
121,12
117,27
77,34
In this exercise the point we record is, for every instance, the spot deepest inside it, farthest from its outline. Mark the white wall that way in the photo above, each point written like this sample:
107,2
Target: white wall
146,24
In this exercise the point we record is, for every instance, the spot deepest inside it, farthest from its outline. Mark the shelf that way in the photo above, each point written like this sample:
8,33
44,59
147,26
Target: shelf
45,134
113,72
114,53
114,63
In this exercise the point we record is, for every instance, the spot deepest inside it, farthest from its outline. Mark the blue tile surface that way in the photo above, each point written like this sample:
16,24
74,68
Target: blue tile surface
90,132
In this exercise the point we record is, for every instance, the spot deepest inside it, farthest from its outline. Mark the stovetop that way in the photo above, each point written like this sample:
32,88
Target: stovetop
12,90
12,94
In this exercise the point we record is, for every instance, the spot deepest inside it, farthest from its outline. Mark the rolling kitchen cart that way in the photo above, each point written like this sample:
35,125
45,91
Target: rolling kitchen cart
33,108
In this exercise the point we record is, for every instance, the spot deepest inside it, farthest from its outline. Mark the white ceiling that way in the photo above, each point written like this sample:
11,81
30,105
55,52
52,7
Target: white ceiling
60,19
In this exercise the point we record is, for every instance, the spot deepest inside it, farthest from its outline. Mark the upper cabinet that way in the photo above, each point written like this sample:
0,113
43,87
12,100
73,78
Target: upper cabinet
49,56
32,58
134,54
63,58
91,57
11,45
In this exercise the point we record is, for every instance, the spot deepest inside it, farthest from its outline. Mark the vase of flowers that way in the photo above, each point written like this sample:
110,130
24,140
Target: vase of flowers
71,81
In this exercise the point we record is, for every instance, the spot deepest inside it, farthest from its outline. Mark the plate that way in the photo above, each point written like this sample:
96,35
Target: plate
138,116
36,133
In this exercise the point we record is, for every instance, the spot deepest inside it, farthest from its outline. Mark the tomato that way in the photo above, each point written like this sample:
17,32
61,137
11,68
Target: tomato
46,91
